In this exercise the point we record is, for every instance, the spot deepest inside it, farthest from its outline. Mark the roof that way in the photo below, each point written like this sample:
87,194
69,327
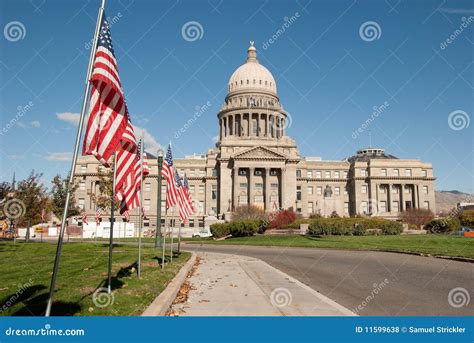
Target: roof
365,155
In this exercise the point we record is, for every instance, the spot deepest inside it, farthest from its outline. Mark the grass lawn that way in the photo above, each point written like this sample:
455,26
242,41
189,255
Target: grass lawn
27,268
436,245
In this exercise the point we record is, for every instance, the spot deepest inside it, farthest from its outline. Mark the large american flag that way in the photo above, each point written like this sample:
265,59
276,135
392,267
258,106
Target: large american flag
167,171
108,115
184,208
84,217
125,164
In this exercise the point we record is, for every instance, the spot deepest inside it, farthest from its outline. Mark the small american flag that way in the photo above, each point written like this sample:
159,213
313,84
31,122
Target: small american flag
84,217
108,115
126,215
184,209
98,215
167,171
187,194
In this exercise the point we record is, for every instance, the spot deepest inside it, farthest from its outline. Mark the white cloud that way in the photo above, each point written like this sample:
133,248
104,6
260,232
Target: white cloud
21,124
69,117
59,156
215,139
151,145
35,123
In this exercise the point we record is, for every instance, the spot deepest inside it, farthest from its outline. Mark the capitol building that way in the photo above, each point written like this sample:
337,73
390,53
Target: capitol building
256,162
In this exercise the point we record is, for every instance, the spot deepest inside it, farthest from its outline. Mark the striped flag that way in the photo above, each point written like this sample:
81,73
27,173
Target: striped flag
84,217
108,115
167,171
98,215
126,215
187,194
184,208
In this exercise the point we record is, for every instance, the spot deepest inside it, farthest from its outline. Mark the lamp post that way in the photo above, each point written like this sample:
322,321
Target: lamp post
158,236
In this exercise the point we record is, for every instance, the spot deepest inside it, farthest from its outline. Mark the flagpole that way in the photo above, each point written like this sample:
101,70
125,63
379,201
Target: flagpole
140,216
164,236
171,244
112,220
74,162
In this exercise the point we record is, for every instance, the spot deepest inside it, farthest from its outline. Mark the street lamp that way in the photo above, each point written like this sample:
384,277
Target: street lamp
158,235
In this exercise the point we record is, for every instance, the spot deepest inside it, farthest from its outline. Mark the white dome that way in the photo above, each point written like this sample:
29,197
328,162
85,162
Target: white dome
252,76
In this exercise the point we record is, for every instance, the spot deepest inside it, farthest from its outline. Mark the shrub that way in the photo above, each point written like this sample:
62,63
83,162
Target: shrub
467,218
443,225
353,226
246,212
281,218
417,216
219,230
244,228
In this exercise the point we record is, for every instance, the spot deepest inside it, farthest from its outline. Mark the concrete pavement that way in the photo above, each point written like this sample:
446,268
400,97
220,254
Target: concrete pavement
233,285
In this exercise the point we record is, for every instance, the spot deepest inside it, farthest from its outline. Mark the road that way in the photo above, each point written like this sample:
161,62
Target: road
372,283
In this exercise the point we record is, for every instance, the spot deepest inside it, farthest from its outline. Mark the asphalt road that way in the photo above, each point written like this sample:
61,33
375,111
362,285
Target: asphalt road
372,283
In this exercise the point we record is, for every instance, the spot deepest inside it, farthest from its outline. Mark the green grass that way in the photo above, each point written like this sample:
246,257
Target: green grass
27,268
436,245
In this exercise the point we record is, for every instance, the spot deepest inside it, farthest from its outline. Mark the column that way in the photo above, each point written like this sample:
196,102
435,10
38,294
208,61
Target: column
251,185
402,197
266,125
235,183
249,132
416,203
389,198
222,128
268,205
282,187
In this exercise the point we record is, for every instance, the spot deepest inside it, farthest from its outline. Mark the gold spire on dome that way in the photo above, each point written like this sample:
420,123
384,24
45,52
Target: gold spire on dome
252,53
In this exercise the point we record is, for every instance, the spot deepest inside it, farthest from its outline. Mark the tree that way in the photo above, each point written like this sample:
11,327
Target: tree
281,218
105,183
417,216
5,188
58,198
31,198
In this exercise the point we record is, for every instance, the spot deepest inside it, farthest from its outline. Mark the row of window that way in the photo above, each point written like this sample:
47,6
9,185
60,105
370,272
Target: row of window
395,189
318,174
382,206
395,172
311,208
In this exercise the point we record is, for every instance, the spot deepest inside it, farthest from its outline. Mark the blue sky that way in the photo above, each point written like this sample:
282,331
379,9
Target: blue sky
330,75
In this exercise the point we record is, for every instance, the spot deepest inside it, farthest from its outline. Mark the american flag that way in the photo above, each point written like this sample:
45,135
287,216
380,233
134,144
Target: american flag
108,115
84,217
131,192
98,215
184,208
143,212
125,167
167,171
187,194
126,215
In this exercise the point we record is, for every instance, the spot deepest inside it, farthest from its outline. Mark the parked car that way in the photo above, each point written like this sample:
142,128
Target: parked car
202,232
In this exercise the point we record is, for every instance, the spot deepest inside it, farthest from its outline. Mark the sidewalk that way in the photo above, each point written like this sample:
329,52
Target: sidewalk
234,285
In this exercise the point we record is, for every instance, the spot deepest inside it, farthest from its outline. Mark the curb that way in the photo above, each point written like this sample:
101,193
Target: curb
162,302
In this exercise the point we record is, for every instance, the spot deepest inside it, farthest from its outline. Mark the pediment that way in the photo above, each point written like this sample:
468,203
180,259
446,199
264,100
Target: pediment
259,153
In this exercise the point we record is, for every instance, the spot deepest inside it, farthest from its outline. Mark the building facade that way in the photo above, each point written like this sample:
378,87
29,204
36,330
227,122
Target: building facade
256,162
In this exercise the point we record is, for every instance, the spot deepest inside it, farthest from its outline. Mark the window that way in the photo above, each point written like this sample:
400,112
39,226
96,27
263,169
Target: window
214,172
337,190
191,172
394,189
382,189
84,168
81,203
363,206
82,185
426,204
274,185
425,189
191,189
396,172
258,172
201,189
200,208
310,207
407,172
298,192
310,190
147,187
336,175
243,185
346,208
364,189
345,190
424,173
407,189
383,206
318,174
383,172
319,190
202,172
259,185
298,172
214,192
163,206
147,204
345,175
242,172
201,222
273,172
191,222
363,172
395,206
310,173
